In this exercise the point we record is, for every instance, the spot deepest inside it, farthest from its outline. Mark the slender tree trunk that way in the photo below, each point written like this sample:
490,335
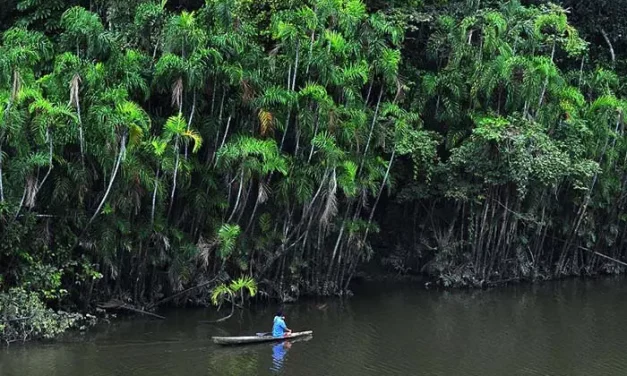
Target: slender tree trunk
176,172
583,58
121,154
218,134
376,202
243,209
154,198
287,124
19,208
609,44
335,249
546,80
311,43
80,129
296,65
239,194
189,122
252,215
584,207
49,162
374,120
368,95
317,122
226,132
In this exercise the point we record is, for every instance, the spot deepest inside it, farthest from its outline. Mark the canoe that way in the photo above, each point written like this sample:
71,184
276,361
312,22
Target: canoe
260,337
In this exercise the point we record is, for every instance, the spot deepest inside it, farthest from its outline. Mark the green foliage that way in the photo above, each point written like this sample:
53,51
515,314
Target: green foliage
147,147
227,238
23,316
238,286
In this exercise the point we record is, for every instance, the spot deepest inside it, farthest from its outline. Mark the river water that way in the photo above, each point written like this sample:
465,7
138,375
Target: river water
575,327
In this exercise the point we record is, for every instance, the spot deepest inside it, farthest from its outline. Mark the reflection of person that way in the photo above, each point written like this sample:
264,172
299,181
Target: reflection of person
278,353
279,329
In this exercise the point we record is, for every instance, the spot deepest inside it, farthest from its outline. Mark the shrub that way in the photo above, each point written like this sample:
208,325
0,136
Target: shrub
23,316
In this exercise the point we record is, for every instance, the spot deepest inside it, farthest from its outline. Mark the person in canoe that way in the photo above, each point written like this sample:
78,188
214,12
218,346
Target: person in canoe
279,329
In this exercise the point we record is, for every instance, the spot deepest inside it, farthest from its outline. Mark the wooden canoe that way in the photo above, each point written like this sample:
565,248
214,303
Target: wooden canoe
260,337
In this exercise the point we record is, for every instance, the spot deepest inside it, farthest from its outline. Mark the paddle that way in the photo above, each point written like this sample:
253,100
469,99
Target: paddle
263,334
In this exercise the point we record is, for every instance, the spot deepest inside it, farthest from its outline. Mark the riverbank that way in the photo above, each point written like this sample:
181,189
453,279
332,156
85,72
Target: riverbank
34,321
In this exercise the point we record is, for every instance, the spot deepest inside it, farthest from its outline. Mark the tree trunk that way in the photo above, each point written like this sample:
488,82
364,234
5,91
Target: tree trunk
176,170
226,132
121,154
189,122
154,198
385,178
374,120
239,194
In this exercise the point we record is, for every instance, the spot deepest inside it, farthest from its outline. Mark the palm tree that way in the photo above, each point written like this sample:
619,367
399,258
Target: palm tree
128,123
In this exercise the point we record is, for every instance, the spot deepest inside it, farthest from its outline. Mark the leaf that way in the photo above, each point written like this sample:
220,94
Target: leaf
159,147
227,237
219,292
195,136
266,121
174,126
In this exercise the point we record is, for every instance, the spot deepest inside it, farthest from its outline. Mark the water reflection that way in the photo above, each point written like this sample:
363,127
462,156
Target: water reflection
278,354
574,328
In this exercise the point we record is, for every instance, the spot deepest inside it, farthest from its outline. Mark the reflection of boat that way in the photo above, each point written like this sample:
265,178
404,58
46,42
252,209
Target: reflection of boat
260,337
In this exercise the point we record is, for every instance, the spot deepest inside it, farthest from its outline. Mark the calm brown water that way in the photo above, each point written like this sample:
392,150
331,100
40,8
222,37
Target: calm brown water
565,328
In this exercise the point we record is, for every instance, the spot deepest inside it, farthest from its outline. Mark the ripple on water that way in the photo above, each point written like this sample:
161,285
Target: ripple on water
568,328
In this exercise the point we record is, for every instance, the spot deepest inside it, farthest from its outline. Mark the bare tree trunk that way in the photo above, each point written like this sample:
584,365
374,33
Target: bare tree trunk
374,120
609,44
121,154
296,64
219,125
311,43
49,162
243,209
154,198
337,246
19,208
317,122
374,207
226,132
239,194
583,58
176,171
189,122
252,215
81,136
546,81
584,207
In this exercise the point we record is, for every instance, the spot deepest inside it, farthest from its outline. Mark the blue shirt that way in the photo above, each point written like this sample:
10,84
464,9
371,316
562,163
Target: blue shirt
278,328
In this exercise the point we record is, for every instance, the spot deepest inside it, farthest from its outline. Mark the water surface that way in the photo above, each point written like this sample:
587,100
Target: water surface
573,327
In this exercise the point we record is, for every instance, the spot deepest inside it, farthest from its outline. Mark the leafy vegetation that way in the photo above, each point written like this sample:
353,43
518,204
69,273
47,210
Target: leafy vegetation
146,149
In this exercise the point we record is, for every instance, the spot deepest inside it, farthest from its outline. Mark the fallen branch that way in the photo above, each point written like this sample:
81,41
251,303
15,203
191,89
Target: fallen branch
221,319
116,304
595,252
21,318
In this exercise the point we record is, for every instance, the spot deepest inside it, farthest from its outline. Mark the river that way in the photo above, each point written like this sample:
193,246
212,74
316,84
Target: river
574,327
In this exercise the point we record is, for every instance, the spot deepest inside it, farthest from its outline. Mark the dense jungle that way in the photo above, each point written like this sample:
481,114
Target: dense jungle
188,152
